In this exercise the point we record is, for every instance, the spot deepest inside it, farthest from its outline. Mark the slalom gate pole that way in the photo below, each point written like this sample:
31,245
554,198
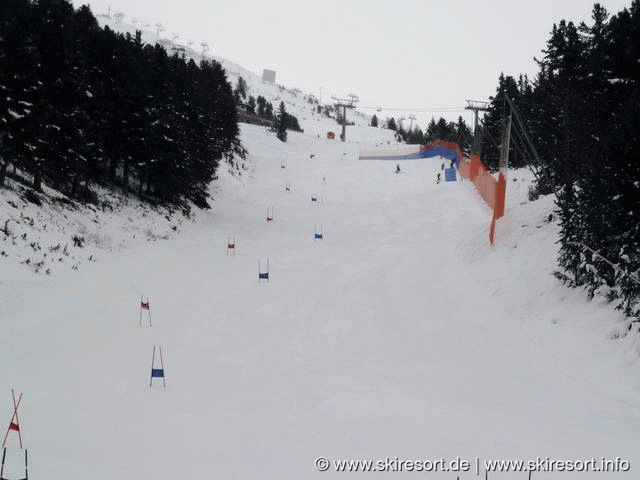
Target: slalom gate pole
164,381
153,359
231,245
145,306
15,409
263,275
14,425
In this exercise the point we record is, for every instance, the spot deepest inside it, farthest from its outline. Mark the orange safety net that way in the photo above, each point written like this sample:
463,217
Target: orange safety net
491,190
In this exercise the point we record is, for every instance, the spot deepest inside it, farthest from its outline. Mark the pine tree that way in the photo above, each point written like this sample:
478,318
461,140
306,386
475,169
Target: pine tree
281,123
391,124
240,91
79,105
261,105
586,99
463,136
374,121
430,132
443,131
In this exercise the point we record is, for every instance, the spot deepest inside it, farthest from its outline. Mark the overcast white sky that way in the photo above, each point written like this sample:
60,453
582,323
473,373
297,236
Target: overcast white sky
424,55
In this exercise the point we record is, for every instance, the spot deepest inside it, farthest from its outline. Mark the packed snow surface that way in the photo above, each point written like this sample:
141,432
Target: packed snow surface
400,334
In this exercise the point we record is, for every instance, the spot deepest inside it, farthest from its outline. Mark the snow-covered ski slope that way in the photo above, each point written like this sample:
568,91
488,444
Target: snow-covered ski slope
400,334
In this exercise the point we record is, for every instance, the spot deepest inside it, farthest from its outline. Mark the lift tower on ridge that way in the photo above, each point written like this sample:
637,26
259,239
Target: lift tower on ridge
344,104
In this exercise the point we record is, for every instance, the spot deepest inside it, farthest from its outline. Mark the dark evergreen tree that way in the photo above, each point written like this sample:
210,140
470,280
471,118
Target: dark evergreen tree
391,124
268,110
582,114
80,105
463,136
457,132
414,136
444,130
261,105
19,83
281,123
430,132
291,122
251,104
417,136
374,121
240,92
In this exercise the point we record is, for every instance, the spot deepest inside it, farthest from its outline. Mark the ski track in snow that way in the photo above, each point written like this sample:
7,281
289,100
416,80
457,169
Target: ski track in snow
400,333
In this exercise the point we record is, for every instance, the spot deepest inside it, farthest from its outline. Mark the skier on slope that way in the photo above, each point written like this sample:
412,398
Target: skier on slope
397,168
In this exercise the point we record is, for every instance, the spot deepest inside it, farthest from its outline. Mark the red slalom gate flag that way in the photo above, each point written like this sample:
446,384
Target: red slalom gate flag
14,423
